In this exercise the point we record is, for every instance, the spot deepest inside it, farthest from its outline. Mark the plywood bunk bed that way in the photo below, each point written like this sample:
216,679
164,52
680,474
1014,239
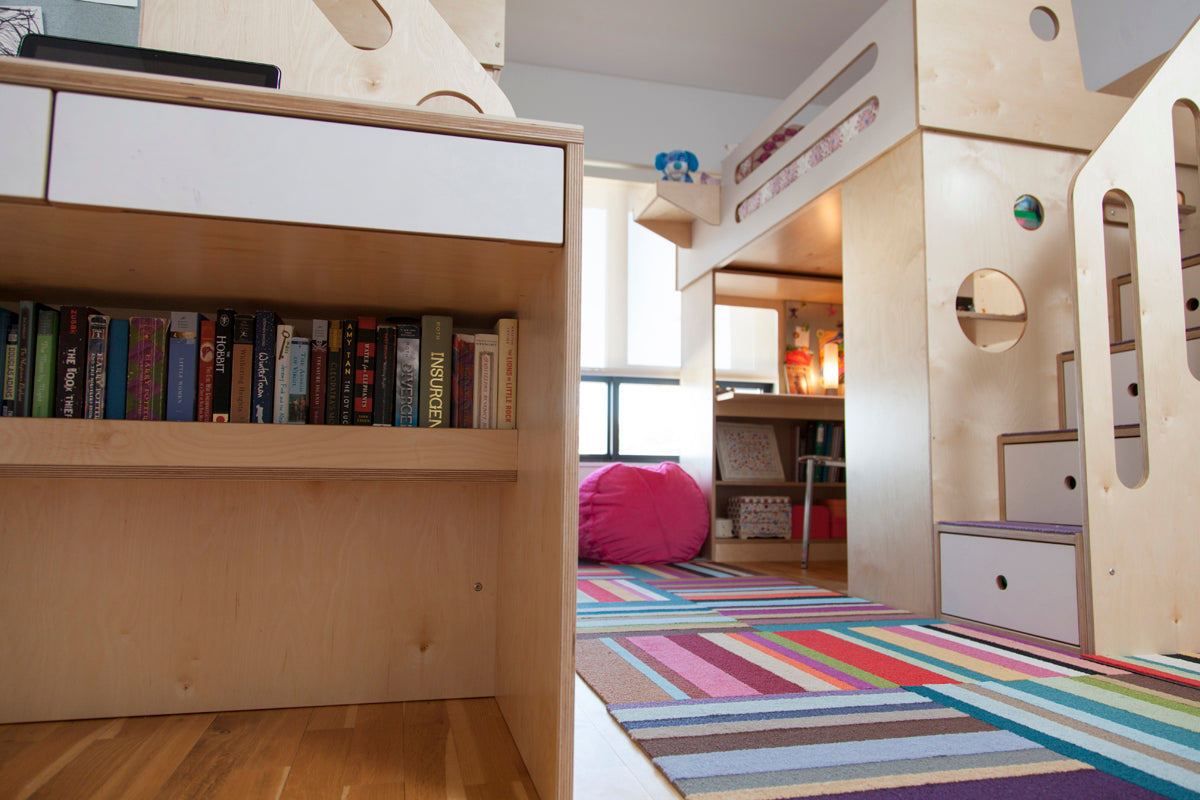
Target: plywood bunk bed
945,116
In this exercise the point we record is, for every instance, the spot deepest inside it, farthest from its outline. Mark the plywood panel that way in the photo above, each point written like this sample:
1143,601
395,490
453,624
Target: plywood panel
536,617
696,389
175,596
421,55
1143,590
981,69
976,395
888,490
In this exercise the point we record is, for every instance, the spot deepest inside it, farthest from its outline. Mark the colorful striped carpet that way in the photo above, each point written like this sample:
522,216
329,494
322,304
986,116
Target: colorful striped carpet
744,686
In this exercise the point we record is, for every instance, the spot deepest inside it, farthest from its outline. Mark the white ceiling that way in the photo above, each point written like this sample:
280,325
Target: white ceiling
752,47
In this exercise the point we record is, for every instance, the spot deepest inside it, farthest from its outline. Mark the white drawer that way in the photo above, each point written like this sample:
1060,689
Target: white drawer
1125,390
160,157
1191,302
1043,481
1011,583
26,140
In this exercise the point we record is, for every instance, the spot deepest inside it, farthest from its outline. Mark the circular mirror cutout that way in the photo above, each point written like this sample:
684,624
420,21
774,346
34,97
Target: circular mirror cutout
1028,212
1044,24
991,310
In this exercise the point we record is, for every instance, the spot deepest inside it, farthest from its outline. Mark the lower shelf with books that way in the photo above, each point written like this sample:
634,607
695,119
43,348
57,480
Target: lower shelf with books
130,449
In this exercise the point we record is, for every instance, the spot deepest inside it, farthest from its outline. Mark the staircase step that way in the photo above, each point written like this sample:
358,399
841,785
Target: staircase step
1008,526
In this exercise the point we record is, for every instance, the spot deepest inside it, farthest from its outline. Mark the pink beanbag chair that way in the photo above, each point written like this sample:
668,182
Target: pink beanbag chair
636,515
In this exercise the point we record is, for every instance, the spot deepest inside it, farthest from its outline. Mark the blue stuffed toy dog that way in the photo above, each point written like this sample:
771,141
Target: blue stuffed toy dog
676,164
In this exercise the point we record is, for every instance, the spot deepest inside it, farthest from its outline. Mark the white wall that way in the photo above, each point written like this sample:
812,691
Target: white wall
628,121
1115,36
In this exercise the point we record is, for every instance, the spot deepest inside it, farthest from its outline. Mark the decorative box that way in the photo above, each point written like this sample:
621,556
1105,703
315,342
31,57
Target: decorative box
761,517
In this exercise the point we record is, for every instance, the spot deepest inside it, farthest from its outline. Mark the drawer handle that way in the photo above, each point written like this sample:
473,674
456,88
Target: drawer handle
1192,304
1070,483
1001,582
1132,389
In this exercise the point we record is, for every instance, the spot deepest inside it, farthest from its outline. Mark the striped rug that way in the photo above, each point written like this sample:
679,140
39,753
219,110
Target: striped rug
744,686
1179,667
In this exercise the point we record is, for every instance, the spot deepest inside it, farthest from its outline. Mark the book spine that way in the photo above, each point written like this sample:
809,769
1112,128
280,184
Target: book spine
436,332
262,397
7,321
145,396
45,363
117,375
241,386
283,372
96,370
222,387
69,384
298,391
506,377
346,392
333,375
408,370
483,412
12,339
183,366
318,370
206,377
26,346
462,393
385,376
364,372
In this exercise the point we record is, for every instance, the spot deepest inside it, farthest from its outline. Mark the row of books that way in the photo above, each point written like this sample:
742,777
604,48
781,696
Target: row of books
821,438
75,362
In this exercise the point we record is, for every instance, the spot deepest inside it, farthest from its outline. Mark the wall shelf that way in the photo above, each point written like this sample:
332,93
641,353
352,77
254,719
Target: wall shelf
670,207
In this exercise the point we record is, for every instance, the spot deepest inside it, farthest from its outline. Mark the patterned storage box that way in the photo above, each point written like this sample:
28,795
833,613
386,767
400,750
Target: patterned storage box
761,517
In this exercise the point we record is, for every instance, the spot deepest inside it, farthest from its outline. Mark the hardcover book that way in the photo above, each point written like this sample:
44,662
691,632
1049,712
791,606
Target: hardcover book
408,370
385,376
262,398
436,333
206,378
318,366
222,389
27,319
364,372
116,376
145,396
346,392
333,375
241,382
506,377
95,375
283,372
45,362
7,321
69,381
183,366
8,399
462,393
298,386
483,412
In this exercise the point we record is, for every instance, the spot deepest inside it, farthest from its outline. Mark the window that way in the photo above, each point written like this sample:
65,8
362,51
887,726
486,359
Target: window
631,333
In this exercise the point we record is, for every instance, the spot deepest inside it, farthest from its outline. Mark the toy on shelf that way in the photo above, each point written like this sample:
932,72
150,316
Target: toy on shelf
677,165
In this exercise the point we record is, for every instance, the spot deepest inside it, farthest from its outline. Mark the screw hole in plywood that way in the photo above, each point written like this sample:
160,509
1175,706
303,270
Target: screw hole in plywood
1028,212
362,23
1044,24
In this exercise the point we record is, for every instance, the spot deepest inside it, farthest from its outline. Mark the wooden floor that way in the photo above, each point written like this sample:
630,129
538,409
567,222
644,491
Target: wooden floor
401,751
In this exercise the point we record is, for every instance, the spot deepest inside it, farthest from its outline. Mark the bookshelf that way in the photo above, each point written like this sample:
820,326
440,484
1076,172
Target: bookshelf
164,568
782,412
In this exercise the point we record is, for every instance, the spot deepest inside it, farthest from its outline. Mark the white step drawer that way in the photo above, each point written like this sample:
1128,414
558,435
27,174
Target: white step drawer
1191,302
1043,480
26,140
149,156
1126,390
1020,585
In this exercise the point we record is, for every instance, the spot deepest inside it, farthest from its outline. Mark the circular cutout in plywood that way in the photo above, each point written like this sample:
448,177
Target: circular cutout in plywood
991,310
1028,212
1044,24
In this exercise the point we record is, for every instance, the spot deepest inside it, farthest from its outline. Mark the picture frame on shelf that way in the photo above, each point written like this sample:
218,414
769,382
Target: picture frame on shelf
748,452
